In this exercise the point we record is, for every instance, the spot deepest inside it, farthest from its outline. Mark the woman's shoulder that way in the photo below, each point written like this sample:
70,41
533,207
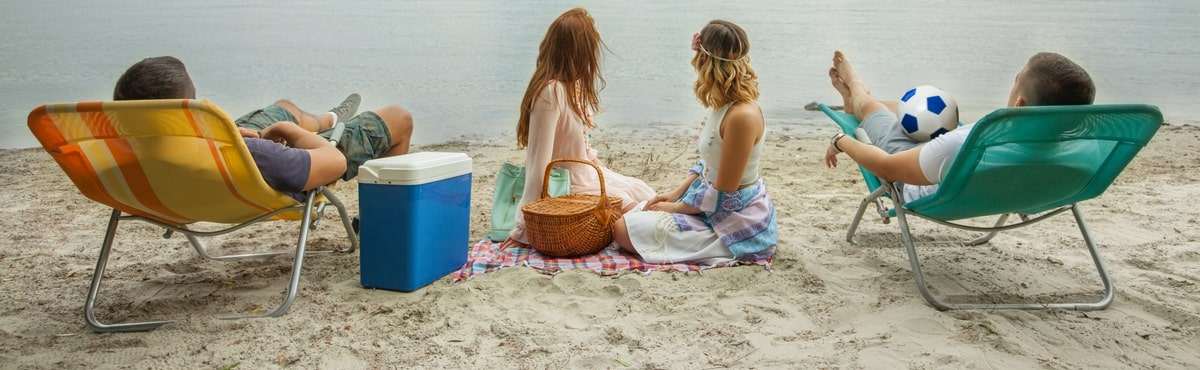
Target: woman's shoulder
550,93
743,118
744,108
553,88
744,113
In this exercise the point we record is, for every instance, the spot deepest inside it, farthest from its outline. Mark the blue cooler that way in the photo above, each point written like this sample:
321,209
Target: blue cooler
415,216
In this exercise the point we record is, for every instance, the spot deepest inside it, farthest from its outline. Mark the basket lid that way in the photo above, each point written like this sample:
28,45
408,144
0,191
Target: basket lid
414,168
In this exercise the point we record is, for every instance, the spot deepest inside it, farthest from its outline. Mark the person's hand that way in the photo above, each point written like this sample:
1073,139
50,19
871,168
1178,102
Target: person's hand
277,132
674,207
518,233
661,198
831,153
668,207
245,132
684,209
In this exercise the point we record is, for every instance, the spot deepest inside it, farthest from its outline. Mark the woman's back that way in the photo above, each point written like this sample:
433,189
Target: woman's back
557,132
711,141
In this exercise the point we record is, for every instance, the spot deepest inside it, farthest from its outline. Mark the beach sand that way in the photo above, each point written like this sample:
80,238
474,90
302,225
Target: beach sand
826,303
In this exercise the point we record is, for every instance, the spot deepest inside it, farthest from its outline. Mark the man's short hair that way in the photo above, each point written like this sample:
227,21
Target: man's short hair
155,78
1053,79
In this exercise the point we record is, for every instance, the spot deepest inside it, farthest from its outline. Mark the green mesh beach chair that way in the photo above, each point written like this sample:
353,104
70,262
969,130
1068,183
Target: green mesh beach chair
1035,162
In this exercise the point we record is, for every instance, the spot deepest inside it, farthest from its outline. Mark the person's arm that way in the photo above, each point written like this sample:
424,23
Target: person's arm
543,123
327,164
904,166
674,195
669,202
739,133
245,132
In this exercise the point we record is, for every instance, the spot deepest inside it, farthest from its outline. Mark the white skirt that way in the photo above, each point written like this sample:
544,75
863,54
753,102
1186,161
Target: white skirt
658,239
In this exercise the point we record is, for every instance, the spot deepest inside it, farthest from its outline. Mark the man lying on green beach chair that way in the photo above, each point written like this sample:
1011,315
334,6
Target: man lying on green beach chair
1047,79
285,141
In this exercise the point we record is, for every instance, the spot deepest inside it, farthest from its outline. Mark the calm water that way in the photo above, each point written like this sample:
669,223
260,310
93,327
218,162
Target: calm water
461,67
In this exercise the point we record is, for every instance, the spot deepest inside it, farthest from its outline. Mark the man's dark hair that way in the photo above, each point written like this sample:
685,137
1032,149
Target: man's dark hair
155,78
1053,79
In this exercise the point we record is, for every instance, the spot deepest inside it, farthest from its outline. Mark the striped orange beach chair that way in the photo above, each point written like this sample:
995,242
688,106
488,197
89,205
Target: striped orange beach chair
171,163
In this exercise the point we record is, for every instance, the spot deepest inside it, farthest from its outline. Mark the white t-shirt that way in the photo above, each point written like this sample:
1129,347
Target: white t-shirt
935,159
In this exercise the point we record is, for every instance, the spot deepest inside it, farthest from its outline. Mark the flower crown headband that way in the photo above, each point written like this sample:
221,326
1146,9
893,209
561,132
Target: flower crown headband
697,46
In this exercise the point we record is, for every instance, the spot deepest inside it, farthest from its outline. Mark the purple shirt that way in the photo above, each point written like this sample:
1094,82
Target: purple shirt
284,168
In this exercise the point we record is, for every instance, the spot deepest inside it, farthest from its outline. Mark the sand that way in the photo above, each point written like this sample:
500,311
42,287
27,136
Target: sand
826,303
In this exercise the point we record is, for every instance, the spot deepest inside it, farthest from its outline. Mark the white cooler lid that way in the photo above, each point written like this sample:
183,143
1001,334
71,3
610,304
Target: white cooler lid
414,168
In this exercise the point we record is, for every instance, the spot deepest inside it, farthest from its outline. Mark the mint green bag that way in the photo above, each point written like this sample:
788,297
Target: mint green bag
510,185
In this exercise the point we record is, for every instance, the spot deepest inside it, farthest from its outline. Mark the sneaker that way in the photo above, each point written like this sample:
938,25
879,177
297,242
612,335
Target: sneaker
348,107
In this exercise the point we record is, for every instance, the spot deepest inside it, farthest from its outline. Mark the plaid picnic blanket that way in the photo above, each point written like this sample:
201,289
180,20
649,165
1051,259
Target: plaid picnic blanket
486,256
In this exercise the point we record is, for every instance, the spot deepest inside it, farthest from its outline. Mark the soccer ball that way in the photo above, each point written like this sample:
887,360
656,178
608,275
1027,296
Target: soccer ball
927,112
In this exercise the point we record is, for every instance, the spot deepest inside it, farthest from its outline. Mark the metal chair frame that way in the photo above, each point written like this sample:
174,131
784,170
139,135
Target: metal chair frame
893,192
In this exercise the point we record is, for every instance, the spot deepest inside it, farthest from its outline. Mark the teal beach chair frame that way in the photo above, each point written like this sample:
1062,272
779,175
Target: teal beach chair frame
1035,162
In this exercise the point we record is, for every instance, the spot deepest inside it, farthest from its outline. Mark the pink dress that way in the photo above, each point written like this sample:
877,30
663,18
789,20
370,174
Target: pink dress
556,132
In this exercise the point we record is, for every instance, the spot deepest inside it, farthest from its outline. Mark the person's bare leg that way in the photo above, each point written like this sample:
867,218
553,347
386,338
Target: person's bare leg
621,236
308,121
892,105
844,90
861,101
400,126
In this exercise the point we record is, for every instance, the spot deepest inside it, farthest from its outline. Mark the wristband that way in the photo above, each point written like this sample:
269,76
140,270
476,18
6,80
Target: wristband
835,142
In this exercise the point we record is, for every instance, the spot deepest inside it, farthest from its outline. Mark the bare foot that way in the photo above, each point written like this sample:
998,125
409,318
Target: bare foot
842,89
843,67
838,84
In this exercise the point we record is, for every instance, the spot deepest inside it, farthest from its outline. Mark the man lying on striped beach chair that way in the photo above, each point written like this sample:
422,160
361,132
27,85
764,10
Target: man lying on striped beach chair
286,142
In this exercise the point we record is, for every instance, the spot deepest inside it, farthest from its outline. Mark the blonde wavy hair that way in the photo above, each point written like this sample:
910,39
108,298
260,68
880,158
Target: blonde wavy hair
722,62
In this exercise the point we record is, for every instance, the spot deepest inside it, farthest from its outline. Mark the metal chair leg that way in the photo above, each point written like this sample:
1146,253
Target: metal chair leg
297,265
862,208
919,276
345,216
198,245
988,237
320,213
89,307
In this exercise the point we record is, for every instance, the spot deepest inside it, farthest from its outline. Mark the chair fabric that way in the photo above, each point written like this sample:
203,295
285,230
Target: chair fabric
1032,159
175,161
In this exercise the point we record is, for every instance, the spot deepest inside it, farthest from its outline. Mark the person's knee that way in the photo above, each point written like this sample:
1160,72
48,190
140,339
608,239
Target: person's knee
291,108
621,235
285,103
398,120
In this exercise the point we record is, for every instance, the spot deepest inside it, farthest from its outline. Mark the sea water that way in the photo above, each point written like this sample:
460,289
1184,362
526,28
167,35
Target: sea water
461,66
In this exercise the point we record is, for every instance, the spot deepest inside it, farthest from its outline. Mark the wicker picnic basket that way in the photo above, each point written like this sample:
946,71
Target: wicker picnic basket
573,224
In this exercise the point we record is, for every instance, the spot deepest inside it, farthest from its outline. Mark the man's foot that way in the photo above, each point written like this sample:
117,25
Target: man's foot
843,68
348,107
859,101
839,85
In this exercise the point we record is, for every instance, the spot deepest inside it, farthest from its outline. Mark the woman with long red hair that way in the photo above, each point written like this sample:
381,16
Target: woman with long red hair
558,111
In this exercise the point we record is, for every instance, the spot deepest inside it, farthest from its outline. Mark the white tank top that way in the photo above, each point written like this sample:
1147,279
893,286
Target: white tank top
710,148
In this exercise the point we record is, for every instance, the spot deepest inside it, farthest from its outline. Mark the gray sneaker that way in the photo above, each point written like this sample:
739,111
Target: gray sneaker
348,107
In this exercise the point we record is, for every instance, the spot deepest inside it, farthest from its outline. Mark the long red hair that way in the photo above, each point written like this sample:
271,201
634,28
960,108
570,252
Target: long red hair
570,54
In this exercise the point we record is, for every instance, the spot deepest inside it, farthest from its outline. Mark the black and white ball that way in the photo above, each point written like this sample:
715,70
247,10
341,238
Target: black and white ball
927,112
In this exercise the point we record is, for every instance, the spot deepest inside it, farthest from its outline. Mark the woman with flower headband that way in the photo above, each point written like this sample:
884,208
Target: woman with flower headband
721,212
557,113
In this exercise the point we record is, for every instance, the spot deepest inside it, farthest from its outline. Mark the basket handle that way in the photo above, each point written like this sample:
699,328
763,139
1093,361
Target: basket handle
603,191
